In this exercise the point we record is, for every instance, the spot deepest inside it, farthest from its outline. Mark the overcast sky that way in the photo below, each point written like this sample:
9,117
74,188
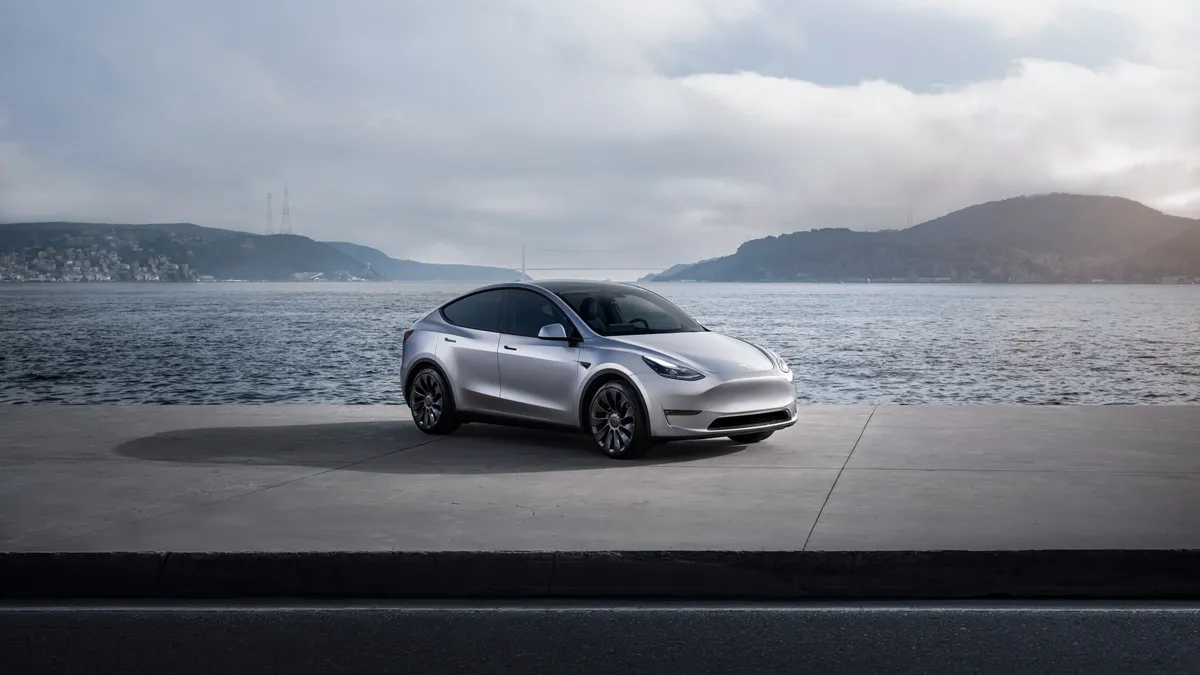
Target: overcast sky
649,132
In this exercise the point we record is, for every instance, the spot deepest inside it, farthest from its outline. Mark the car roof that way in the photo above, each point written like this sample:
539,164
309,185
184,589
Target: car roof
577,285
552,286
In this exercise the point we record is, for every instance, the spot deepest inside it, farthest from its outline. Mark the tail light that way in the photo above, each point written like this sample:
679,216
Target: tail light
407,333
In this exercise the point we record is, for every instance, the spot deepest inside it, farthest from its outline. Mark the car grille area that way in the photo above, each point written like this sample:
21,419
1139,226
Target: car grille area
756,419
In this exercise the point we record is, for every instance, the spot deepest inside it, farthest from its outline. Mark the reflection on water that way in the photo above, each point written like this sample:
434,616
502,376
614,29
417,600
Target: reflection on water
340,343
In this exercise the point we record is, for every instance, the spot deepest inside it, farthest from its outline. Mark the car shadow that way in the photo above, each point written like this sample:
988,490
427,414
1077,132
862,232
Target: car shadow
399,448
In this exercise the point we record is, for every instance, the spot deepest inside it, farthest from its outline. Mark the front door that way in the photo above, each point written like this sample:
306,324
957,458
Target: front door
539,378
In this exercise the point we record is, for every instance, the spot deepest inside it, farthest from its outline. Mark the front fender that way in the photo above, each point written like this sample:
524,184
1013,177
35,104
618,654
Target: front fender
610,370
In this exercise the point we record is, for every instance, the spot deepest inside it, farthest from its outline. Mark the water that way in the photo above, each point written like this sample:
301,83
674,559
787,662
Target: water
341,343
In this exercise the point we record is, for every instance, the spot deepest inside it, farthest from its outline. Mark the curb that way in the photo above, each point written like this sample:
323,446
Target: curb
783,575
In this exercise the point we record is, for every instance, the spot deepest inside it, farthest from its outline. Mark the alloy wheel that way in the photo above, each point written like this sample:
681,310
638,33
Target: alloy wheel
427,400
612,420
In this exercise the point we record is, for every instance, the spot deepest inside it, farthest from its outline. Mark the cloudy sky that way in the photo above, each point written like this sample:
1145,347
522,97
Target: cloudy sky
596,132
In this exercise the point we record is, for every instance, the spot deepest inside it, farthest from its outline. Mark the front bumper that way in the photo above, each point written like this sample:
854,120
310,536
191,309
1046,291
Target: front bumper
720,407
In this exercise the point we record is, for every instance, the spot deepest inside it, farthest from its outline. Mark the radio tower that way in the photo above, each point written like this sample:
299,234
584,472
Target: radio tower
285,224
270,215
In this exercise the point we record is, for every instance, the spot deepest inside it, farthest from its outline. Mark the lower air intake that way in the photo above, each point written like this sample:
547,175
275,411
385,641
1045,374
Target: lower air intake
736,421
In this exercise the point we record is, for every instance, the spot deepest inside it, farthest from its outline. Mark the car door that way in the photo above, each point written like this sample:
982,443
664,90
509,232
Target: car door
467,349
539,379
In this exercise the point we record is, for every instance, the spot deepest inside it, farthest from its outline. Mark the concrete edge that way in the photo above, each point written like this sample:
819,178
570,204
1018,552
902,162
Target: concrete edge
833,575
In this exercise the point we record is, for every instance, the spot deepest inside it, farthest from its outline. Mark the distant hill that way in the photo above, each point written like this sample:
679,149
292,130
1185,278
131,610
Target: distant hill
1061,224
1046,238
194,251
1177,256
11,230
410,270
841,254
186,252
671,272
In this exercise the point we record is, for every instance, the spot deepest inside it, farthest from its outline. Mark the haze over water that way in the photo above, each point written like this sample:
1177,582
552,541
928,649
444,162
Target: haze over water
341,343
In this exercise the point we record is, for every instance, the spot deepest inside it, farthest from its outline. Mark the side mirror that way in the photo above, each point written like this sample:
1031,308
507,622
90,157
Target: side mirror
553,331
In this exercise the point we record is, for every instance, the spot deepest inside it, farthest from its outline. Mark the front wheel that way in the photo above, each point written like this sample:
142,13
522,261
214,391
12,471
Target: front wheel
617,422
431,403
752,438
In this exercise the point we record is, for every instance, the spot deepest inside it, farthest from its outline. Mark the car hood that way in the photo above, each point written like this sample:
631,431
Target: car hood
711,352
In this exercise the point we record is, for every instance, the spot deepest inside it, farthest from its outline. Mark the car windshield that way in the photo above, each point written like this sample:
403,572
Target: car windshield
628,311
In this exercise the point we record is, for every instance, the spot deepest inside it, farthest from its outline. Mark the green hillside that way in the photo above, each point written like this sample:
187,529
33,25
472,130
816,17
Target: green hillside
410,270
1046,238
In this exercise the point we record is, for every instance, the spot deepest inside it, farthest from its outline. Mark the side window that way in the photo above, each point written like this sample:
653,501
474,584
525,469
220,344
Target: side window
526,312
480,311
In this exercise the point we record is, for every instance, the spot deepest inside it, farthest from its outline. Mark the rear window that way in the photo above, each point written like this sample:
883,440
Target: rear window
480,311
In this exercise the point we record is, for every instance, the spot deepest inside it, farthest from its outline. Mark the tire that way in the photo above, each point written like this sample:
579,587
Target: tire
752,438
628,437
431,402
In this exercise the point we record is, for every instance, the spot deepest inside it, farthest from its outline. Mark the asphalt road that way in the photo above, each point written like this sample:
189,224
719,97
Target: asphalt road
587,638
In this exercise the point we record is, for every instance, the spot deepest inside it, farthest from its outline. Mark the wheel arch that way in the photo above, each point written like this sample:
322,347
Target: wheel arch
600,378
417,366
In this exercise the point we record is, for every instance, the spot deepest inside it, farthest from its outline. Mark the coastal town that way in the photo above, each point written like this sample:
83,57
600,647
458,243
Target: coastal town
66,253
93,264
99,265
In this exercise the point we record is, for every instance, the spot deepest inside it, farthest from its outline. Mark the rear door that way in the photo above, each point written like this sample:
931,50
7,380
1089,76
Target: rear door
468,347
539,378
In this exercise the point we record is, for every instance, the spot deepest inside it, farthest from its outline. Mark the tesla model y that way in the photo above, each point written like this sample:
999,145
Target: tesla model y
616,361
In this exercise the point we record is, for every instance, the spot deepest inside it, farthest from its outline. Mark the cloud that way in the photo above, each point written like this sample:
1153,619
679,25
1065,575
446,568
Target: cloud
1045,125
1018,18
457,131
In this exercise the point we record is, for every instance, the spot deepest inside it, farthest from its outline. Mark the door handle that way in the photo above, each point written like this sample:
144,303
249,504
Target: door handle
511,349
448,339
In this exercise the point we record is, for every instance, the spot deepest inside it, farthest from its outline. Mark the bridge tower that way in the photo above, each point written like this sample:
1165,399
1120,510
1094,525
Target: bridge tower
285,224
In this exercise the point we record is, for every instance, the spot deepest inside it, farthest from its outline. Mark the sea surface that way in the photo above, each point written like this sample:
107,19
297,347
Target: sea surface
847,343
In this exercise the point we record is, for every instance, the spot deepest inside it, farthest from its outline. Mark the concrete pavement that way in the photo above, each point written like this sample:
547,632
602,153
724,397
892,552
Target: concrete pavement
299,477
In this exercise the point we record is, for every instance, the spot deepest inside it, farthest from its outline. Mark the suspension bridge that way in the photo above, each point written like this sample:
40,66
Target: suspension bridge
540,267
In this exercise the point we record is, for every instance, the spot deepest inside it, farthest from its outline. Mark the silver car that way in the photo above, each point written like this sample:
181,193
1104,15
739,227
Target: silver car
616,361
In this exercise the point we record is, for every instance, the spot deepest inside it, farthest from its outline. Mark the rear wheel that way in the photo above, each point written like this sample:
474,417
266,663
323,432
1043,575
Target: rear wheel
752,438
617,422
431,403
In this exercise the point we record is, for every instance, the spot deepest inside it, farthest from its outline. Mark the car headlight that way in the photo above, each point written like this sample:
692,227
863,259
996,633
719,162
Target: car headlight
783,366
672,371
